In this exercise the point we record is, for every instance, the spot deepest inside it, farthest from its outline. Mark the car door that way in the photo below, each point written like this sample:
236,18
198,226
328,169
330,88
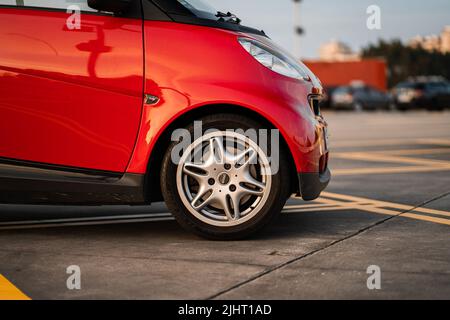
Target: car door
360,96
71,84
368,97
380,100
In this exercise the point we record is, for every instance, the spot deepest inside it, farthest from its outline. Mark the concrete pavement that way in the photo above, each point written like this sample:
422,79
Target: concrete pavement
388,205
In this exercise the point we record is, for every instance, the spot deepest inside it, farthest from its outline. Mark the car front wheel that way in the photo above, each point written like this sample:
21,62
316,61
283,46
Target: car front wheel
224,186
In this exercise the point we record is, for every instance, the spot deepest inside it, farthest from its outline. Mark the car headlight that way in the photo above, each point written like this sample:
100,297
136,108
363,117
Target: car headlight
274,60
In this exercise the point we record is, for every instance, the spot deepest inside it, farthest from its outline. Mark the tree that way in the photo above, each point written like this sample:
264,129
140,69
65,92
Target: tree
404,61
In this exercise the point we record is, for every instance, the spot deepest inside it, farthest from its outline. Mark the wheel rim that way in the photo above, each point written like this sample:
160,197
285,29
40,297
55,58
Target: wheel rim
229,184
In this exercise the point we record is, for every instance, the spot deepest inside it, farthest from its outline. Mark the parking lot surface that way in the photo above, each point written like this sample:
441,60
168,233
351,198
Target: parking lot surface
388,205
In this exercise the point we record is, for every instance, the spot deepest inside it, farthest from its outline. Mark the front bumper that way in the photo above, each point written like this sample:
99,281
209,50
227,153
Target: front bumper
311,184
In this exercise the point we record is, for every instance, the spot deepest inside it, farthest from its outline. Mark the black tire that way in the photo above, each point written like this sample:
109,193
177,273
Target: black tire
402,108
435,105
279,191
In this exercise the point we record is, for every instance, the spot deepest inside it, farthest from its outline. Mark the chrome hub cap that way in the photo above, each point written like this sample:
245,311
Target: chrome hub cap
224,178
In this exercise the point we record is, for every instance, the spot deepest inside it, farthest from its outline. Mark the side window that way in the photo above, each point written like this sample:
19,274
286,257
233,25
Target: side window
50,4
342,90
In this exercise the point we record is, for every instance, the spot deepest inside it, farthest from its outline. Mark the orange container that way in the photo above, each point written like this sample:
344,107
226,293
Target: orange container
338,73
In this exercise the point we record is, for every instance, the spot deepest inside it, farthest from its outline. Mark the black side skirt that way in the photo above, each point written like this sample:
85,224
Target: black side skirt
24,182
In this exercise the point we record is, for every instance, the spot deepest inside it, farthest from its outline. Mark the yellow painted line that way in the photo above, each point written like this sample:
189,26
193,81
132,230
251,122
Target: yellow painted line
433,211
350,206
378,203
395,156
375,209
373,142
378,157
344,203
390,142
9,292
442,142
406,152
336,208
427,218
329,201
398,206
373,201
346,197
304,206
337,202
381,170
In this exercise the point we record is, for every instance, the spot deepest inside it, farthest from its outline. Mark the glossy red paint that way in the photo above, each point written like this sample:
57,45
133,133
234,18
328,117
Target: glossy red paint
70,97
193,66
75,97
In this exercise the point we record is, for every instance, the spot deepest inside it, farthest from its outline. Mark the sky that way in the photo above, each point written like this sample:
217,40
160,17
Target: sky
343,20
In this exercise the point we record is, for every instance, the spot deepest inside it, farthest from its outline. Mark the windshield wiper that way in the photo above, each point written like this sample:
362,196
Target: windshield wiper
231,17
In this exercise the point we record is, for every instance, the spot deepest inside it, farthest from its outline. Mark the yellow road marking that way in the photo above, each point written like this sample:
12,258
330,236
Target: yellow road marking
335,208
376,209
306,206
397,156
390,142
378,157
336,202
356,200
407,169
373,143
427,218
442,142
432,211
348,197
9,292
414,151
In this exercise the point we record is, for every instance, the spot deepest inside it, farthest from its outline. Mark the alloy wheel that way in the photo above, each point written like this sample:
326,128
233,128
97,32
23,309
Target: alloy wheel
224,178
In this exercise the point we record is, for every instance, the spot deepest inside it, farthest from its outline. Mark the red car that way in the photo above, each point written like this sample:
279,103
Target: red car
97,96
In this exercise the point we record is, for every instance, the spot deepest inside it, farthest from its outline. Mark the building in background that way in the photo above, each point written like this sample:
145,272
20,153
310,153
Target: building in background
337,51
445,40
440,43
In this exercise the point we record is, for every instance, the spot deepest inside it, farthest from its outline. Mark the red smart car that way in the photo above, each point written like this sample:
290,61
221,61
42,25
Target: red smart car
139,101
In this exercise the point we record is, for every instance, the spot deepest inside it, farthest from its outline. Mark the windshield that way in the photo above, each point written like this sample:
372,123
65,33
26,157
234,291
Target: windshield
200,8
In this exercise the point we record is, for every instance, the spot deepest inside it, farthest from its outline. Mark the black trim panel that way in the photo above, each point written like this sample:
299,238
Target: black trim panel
215,24
152,12
179,13
29,183
312,184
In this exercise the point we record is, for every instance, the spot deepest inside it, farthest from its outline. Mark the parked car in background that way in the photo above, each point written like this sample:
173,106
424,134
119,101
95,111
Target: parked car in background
327,95
359,97
432,93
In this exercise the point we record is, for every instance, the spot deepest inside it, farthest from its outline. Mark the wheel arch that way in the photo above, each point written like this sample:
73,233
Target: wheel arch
157,154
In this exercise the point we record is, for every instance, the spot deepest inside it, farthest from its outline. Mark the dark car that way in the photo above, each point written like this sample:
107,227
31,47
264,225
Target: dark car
359,98
432,93
327,95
